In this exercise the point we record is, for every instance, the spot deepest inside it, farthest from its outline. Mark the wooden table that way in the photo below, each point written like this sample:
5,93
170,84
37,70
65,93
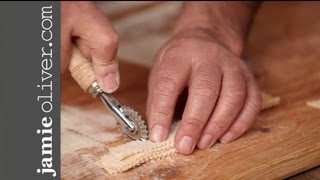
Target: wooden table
283,51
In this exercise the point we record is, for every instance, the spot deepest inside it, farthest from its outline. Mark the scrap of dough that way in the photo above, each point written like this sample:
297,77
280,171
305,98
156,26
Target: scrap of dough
134,153
269,101
314,104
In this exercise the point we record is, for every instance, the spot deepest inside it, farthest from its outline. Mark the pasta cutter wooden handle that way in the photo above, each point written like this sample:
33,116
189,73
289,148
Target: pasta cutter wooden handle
81,69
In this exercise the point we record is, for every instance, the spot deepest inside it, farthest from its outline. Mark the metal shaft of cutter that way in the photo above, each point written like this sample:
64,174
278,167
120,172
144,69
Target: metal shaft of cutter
115,108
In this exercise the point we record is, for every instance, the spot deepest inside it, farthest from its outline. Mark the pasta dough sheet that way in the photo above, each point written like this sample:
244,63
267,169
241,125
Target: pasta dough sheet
134,153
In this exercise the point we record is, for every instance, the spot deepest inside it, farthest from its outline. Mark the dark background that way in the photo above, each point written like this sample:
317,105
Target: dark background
20,73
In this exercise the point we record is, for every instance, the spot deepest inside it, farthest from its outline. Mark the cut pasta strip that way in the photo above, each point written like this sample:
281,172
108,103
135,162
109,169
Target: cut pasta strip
134,153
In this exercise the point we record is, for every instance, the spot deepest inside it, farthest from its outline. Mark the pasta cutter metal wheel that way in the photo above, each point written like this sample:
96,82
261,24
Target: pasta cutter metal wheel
130,121
140,131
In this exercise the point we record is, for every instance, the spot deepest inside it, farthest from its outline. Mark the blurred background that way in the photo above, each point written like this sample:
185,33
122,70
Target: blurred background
143,26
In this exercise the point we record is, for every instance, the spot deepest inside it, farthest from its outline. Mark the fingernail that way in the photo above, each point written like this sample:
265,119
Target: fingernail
206,142
110,82
228,137
185,145
157,133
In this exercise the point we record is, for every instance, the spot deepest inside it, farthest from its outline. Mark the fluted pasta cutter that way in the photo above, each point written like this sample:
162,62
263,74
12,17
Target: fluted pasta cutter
132,125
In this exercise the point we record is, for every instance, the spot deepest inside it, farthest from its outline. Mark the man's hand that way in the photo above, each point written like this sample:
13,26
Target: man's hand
83,24
223,99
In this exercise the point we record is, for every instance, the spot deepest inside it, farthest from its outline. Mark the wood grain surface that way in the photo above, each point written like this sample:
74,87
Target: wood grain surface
282,51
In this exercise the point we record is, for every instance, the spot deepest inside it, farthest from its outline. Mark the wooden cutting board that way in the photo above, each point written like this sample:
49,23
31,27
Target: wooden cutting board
283,51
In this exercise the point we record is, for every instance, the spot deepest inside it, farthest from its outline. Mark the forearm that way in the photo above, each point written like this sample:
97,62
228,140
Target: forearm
228,22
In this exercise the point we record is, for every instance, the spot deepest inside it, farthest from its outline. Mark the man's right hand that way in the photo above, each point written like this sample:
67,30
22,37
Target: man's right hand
83,24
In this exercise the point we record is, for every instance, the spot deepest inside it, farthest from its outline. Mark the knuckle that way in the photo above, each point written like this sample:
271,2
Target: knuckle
104,51
162,114
220,125
238,95
233,71
166,86
173,52
205,86
193,123
114,38
235,97
109,40
205,89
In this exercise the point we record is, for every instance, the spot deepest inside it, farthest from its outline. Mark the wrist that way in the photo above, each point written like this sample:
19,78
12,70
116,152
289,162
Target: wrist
226,22
234,45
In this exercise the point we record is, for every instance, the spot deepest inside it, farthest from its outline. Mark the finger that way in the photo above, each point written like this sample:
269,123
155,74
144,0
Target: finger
167,82
65,50
151,81
66,27
97,39
155,71
249,112
232,96
203,92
